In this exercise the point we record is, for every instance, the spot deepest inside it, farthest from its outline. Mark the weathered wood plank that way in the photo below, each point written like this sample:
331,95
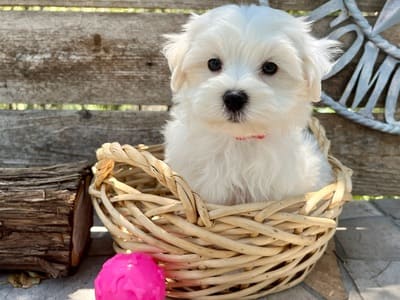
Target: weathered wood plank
374,156
84,58
365,5
98,58
62,136
48,137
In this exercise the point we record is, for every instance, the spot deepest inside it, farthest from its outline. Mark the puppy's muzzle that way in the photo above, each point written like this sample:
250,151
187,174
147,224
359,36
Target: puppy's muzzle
235,101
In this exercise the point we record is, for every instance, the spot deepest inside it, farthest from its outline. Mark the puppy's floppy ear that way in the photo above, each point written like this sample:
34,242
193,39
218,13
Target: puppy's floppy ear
174,50
317,62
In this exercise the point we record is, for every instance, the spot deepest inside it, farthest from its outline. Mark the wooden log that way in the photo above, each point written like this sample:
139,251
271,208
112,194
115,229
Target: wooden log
45,217
365,5
374,156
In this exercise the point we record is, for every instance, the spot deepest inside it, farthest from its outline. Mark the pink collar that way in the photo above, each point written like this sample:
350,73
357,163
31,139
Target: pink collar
251,137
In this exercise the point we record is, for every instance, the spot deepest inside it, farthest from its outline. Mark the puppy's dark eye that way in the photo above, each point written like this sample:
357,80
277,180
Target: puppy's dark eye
214,64
269,68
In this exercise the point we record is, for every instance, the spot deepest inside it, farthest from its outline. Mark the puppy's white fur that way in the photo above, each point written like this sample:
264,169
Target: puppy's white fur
200,139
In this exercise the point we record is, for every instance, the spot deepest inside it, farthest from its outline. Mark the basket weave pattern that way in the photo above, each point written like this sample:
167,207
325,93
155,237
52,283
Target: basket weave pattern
212,251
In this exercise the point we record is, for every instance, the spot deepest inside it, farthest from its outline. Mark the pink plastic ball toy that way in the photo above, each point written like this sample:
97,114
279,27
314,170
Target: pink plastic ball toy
130,277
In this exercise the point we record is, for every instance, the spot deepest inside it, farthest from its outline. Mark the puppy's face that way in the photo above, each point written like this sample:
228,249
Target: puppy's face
247,70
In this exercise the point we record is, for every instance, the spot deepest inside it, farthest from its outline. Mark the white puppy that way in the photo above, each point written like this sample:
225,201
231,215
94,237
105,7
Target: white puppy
243,79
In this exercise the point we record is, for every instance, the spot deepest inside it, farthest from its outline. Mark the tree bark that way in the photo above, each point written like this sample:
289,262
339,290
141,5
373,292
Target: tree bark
45,218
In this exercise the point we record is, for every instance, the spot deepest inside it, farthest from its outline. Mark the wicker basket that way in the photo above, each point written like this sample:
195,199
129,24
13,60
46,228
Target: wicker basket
211,251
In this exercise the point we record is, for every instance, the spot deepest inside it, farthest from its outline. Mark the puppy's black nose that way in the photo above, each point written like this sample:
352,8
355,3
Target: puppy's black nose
235,100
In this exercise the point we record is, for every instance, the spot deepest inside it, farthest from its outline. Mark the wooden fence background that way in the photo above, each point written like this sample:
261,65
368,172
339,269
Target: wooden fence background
52,58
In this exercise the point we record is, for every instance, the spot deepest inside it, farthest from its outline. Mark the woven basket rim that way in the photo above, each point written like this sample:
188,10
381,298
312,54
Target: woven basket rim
271,224
196,207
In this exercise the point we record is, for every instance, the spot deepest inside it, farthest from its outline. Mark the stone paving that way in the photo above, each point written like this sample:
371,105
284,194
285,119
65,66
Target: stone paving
368,247
367,251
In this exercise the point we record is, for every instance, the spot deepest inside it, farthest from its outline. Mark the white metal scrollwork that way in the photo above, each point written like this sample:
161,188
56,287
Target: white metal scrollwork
371,79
